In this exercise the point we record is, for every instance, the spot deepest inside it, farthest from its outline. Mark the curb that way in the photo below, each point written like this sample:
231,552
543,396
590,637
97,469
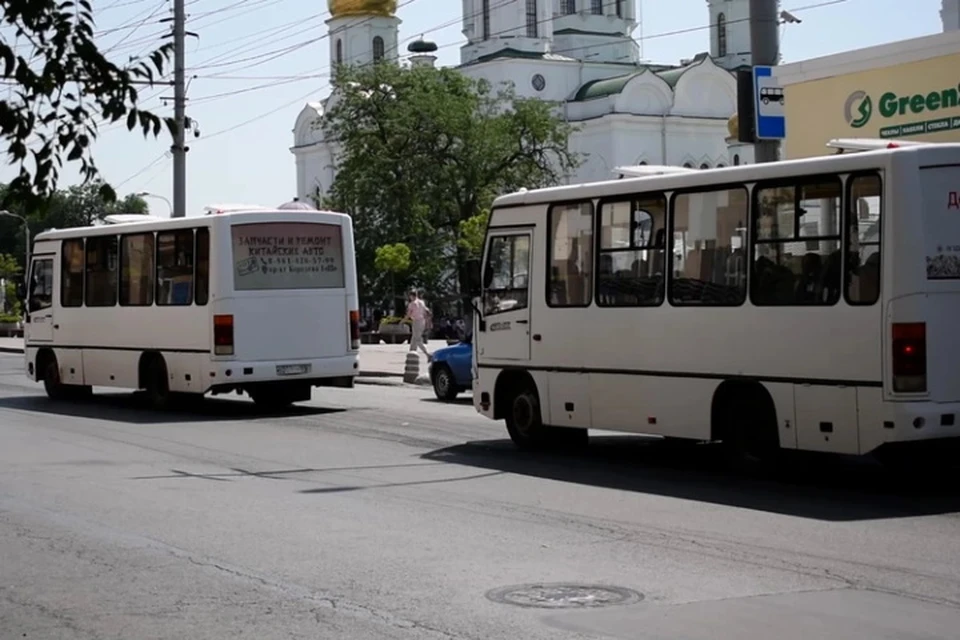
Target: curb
380,377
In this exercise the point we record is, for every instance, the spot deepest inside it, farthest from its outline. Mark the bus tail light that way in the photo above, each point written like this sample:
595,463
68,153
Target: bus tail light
909,357
223,335
355,329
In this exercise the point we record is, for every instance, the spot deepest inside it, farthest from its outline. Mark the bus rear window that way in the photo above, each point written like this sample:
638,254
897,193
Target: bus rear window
287,255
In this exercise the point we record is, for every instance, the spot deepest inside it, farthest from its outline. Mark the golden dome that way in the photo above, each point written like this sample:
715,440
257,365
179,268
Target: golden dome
733,125
341,8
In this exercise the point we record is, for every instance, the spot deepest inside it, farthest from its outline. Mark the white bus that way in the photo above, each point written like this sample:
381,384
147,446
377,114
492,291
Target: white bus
259,301
809,304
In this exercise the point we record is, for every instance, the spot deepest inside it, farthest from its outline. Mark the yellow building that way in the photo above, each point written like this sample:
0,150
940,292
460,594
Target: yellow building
908,90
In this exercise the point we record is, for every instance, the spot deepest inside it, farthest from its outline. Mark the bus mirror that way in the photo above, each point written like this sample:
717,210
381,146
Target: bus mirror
472,271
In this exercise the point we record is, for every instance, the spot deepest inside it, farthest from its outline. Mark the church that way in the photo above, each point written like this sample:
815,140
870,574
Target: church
580,54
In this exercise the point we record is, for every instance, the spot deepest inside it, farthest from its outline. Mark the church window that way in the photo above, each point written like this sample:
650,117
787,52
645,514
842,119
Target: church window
721,35
619,8
569,7
485,11
532,20
339,51
378,49
597,7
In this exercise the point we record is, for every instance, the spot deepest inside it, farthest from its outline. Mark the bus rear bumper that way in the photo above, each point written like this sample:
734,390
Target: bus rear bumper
227,376
914,421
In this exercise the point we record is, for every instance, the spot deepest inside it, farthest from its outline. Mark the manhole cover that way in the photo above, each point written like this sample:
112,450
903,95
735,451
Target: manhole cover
564,596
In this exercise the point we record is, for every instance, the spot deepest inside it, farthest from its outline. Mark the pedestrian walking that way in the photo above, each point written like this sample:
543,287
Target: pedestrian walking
419,315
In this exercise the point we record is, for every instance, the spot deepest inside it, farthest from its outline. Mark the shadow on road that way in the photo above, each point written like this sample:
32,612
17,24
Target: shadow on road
461,400
807,486
131,408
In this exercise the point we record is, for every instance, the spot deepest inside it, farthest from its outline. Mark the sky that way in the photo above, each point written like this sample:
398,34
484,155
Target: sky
255,63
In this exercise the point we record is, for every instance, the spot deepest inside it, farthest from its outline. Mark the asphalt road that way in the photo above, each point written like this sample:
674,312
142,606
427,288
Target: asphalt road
378,512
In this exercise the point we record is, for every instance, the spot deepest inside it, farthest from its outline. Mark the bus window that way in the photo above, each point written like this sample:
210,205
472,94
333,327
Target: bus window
101,271
709,234
797,258
71,271
202,292
508,263
864,211
175,267
570,254
41,286
136,270
632,249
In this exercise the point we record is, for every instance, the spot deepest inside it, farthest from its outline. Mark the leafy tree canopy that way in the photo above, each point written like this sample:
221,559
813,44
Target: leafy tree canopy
422,154
63,86
75,206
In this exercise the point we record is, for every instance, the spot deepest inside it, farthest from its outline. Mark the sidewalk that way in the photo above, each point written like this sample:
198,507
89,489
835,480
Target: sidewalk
376,360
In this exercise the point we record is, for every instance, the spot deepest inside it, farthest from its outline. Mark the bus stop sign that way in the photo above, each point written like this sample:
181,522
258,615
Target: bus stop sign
768,105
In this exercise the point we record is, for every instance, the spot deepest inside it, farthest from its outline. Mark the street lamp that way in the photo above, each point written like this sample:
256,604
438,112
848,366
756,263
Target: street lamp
26,231
146,194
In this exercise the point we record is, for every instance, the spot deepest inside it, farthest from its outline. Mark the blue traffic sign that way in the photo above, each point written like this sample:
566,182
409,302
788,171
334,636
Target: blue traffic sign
769,101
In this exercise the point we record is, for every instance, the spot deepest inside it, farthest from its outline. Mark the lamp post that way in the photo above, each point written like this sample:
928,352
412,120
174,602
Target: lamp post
147,194
26,231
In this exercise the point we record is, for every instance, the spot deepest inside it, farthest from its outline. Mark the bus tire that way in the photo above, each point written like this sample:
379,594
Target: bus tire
524,419
747,424
52,384
156,382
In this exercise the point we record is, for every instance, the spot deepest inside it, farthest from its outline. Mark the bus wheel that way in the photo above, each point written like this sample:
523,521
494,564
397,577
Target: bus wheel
755,440
157,384
524,421
55,389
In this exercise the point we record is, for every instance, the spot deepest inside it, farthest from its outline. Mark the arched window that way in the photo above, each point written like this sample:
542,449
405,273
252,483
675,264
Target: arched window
532,20
736,160
687,165
704,166
339,51
619,8
597,7
378,49
721,35
485,19
569,7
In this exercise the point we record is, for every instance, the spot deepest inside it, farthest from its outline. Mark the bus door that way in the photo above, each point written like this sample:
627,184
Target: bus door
506,295
39,302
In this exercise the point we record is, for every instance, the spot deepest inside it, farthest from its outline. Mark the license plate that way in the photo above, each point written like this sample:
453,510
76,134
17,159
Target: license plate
292,369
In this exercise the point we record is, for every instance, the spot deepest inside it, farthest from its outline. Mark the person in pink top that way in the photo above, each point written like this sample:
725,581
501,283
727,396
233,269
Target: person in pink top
419,315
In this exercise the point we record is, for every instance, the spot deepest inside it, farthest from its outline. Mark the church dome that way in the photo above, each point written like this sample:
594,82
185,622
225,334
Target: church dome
341,8
733,125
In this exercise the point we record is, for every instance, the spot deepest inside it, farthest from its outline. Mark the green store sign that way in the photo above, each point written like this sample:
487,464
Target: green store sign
860,109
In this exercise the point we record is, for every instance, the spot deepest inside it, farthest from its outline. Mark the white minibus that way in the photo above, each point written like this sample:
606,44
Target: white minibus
807,304
261,301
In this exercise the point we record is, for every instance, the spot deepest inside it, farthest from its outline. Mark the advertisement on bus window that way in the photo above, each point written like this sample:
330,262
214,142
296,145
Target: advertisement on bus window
287,255
941,220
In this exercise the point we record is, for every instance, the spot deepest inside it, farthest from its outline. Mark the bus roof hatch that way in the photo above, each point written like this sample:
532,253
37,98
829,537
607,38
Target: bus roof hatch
845,145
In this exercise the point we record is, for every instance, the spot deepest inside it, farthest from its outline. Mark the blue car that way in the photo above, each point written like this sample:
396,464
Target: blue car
450,369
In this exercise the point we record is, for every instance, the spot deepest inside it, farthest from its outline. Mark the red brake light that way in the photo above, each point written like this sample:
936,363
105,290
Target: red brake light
223,335
354,329
909,343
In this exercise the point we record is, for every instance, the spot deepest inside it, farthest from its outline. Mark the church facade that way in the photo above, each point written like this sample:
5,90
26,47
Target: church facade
579,54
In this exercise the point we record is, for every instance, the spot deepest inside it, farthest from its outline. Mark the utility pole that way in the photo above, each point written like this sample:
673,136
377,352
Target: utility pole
765,48
179,148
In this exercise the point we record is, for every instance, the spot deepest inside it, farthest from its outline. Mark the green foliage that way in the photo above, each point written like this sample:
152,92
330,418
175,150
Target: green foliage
424,151
473,231
74,207
64,85
9,270
393,258
394,320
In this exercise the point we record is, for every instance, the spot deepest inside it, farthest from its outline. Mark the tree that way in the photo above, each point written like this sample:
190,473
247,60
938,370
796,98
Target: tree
9,270
423,153
64,84
392,259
